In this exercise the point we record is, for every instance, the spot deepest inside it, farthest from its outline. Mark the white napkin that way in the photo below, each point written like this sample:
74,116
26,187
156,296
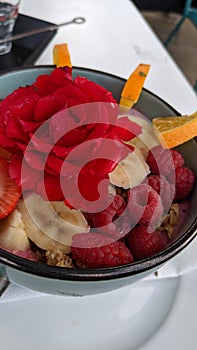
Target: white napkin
14,293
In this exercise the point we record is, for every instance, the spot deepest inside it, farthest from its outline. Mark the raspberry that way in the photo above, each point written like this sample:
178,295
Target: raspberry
106,216
163,161
145,205
177,158
144,244
95,250
105,220
184,181
165,189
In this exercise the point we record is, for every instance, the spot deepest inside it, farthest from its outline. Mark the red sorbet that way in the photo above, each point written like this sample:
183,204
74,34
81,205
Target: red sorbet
43,134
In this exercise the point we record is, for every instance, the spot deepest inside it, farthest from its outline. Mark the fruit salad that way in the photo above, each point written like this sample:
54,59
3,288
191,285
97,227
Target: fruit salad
83,184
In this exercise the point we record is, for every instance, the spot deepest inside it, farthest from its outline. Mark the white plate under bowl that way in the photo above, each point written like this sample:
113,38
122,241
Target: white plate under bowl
119,320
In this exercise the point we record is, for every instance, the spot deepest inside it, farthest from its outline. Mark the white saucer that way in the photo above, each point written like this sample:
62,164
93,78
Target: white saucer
155,314
120,320
178,332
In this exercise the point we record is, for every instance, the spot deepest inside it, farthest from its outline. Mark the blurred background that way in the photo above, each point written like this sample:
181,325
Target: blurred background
163,16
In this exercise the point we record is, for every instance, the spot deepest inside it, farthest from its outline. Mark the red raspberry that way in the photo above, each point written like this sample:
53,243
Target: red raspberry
145,205
184,182
97,251
105,220
106,216
163,161
165,189
177,158
144,244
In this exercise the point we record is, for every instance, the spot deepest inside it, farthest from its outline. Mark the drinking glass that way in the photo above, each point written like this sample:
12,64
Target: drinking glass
8,15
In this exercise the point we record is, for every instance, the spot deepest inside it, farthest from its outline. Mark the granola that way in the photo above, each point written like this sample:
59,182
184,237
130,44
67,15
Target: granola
56,257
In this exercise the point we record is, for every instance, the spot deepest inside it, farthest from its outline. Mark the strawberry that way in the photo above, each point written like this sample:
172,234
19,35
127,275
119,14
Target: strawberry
10,192
144,244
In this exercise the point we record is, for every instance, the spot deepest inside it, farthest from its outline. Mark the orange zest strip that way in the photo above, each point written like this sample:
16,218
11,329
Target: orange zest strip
173,131
133,86
61,55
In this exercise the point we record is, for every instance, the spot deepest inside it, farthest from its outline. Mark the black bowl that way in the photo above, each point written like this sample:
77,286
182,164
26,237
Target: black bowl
56,280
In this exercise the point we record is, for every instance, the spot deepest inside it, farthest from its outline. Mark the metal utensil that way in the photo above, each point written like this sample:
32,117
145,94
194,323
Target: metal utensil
4,283
76,20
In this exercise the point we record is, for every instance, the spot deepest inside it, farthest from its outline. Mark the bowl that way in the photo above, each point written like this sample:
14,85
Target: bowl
79,282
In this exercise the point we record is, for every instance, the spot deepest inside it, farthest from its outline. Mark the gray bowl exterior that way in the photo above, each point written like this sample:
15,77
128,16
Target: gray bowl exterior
69,288
151,106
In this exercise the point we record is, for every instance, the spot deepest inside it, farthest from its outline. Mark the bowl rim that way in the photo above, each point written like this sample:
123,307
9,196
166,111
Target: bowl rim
107,273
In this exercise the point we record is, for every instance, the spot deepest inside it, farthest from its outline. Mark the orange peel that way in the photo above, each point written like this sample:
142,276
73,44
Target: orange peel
133,86
61,55
173,131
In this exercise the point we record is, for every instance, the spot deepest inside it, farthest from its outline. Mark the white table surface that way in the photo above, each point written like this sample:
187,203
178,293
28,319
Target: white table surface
114,39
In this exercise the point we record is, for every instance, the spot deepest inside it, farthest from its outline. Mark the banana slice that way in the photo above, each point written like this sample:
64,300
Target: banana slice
12,233
131,171
147,139
51,223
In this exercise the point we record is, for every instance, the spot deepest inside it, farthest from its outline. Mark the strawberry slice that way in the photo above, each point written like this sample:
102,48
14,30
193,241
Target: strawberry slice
10,192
